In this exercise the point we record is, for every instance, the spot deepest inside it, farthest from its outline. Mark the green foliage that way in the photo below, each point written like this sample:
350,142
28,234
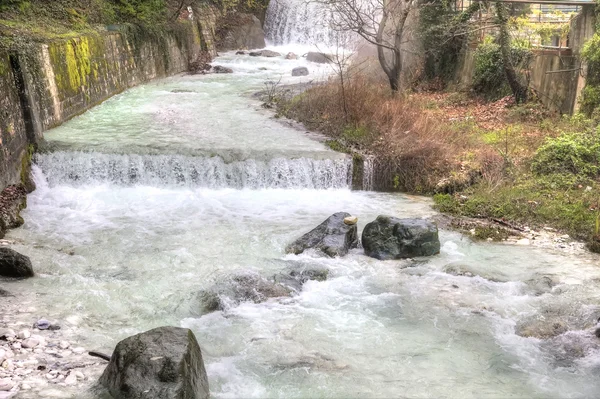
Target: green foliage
489,77
590,101
143,11
574,153
534,201
443,32
20,5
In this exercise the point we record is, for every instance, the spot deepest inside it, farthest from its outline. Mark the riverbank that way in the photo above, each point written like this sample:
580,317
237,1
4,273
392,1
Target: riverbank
522,164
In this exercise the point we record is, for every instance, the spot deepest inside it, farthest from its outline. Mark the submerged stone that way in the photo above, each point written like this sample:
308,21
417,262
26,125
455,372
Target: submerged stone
163,363
296,277
333,237
391,238
541,328
221,69
14,264
243,287
265,53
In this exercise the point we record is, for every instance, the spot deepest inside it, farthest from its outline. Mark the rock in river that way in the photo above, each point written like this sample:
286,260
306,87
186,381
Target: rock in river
243,287
265,53
163,363
319,58
300,71
392,238
295,277
221,69
333,237
13,264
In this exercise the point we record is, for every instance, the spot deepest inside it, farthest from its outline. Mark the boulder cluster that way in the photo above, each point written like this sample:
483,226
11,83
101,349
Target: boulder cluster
384,238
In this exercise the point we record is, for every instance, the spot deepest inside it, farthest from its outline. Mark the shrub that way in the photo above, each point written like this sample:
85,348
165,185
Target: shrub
489,78
578,154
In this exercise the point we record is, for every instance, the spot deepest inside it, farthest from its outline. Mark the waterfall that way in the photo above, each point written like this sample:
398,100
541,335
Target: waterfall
81,168
302,22
367,182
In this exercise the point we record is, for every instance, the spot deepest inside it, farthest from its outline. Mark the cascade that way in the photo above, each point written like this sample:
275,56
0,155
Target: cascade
302,22
81,168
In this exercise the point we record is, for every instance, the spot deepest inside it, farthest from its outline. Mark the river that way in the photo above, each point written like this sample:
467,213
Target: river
168,188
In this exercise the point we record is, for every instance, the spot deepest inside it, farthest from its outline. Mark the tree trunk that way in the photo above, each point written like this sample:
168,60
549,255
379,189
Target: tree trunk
394,83
519,89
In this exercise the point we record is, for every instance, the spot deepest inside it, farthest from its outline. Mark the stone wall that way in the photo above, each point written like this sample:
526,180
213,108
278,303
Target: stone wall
44,84
557,76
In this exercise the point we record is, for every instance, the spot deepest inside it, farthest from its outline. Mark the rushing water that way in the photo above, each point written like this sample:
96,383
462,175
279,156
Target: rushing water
168,188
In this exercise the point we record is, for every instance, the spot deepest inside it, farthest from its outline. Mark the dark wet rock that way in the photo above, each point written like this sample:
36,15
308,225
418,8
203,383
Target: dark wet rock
14,264
4,293
243,287
240,53
42,324
542,328
242,31
296,277
177,91
541,284
466,270
13,199
332,237
162,363
291,56
300,71
265,53
201,64
221,69
308,360
392,238
567,348
319,58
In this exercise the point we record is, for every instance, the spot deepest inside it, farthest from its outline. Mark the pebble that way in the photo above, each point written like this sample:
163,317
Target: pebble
42,324
71,379
23,334
78,350
64,344
30,343
8,365
25,387
49,376
350,220
6,385
79,375
7,332
16,345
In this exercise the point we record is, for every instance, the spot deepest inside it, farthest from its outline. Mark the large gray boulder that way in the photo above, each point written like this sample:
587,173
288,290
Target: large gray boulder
243,31
14,264
163,363
333,237
388,237
319,58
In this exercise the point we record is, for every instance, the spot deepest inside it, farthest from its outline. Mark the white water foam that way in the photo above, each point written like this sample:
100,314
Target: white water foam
81,168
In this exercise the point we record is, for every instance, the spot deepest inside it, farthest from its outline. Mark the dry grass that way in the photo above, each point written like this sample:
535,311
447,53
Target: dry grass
415,149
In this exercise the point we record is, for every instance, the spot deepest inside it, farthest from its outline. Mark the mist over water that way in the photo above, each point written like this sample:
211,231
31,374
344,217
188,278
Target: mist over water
169,188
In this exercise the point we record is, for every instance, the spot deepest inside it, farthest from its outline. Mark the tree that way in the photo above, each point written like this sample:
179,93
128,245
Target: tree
379,22
519,89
